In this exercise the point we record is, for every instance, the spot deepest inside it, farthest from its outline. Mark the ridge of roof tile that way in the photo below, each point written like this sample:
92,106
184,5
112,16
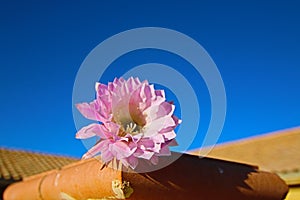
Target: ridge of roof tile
264,136
277,151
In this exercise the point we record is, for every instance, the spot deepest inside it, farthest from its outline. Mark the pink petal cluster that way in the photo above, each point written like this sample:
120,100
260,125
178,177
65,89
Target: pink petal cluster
135,122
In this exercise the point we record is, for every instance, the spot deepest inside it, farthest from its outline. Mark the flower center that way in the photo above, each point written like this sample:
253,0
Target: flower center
129,127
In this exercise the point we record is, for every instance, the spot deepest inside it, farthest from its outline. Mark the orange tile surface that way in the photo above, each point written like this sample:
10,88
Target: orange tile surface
15,164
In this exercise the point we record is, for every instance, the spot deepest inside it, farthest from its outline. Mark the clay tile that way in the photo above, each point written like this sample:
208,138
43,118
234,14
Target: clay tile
189,177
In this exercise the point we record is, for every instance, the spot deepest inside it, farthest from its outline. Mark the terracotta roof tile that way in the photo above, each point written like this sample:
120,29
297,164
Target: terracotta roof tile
188,177
16,165
277,152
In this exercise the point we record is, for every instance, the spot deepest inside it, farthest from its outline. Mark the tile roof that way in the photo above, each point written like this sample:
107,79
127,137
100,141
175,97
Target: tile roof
277,152
16,165
188,177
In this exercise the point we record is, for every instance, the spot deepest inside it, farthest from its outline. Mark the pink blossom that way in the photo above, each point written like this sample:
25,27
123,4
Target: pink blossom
136,122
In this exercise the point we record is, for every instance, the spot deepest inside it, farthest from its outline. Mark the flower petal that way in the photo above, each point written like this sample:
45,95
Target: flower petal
109,130
88,110
121,150
154,160
158,138
106,156
146,155
170,135
96,149
88,131
158,124
146,143
164,151
131,161
172,143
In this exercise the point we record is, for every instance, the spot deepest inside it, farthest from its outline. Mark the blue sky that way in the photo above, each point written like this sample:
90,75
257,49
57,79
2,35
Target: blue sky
255,44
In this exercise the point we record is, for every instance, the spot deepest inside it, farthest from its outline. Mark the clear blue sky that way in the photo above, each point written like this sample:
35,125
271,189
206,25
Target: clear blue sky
255,44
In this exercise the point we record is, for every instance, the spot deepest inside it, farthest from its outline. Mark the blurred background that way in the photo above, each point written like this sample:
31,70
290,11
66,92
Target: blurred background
255,45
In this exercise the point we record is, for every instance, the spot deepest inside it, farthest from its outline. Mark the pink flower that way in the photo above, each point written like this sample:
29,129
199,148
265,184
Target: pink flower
136,122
